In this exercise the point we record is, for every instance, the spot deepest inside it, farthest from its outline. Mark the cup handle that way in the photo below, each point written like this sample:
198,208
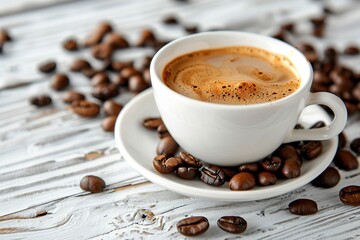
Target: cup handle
327,132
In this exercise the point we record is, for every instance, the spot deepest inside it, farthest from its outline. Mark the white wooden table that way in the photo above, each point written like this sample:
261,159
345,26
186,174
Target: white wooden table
45,152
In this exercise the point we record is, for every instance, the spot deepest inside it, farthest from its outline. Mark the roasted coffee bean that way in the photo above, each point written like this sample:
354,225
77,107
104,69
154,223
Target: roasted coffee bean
232,224
350,195
105,91
79,65
128,72
90,72
137,83
266,178
320,77
85,108
108,124
5,36
72,96
147,79
291,169
70,45
190,160
289,27
328,178
331,52
120,81
249,167
170,20
242,181
167,146
41,100
305,47
229,172
102,51
166,165
116,41
318,124
342,140
213,175
99,78
120,65
47,67
318,31
351,50
191,29
152,123
355,145
345,160
303,207
289,152
92,184
97,36
146,39
60,81
272,164
112,108
188,173
192,226
161,129
311,150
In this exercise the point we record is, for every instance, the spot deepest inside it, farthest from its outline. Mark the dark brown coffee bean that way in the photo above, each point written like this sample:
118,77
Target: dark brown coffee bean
291,169
137,83
108,124
318,31
102,51
85,108
289,152
167,146
99,78
5,36
72,96
249,167
161,129
60,81
41,100
90,72
303,207
166,165
188,173
170,20
266,178
192,226
97,36
318,21
355,145
311,150
242,181
213,175
120,81
191,29
318,124
152,123
128,72
345,160
305,47
289,27
79,64
116,41
350,195
146,39
272,164
70,45
320,77
328,178
312,57
47,67
190,160
105,91
229,172
92,184
331,52
112,108
342,140
120,65
232,224
351,50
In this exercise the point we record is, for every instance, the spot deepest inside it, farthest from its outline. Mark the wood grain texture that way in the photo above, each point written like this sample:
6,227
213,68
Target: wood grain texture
45,152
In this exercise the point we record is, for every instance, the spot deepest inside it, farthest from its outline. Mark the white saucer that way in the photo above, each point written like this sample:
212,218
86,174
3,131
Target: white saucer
138,146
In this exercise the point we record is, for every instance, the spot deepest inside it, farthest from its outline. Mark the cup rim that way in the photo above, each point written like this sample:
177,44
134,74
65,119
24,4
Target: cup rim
157,80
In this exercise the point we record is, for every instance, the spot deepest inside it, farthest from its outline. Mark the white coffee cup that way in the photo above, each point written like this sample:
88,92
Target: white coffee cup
229,135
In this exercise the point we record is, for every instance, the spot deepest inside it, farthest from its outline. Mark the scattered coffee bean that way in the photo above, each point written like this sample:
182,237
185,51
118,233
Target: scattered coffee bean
291,169
289,27
72,96
272,164
192,226
266,178
311,150
112,108
190,160
99,78
350,195
90,72
105,91
146,39
165,165
5,36
242,181
213,175
41,100
162,130
102,51
70,45
188,173
152,123
137,83
127,72
97,36
191,29
167,146
328,178
345,160
318,31
120,65
355,145
47,67
108,124
60,81
249,167
170,20
85,108
303,207
289,152
342,140
120,81
351,50
79,65
92,184
116,41
232,224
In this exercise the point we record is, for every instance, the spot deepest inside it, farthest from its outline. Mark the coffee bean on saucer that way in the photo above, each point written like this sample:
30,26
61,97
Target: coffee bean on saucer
152,123
272,164
212,175
350,195
70,45
47,67
229,172
289,152
242,181
100,78
351,50
193,226
342,140
79,65
328,178
249,167
345,160
41,100
232,224
318,124
112,108
188,173
355,145
85,108
311,150
137,83
167,146
303,207
105,91
60,81
108,124
291,169
165,165
266,178
92,184
72,96
190,160
116,41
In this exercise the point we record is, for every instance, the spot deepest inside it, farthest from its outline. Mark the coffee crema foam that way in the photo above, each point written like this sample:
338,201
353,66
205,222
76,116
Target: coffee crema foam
232,75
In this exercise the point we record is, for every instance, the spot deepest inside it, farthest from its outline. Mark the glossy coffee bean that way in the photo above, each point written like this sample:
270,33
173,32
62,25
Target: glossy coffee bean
232,224
97,36
162,130
92,184
345,160
120,81
266,178
249,167
116,41
79,64
229,172
165,165
188,173
85,108
112,108
70,45
342,140
60,81
192,226
355,145
350,195
190,160
71,96
291,169
105,91
167,146
272,164
47,67
102,51
41,100
328,178
303,207
147,38
152,122
311,150
289,152
99,78
137,83
242,181
213,175
108,124
351,50
127,72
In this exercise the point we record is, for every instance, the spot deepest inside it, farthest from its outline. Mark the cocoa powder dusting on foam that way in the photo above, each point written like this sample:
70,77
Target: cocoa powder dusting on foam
233,75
